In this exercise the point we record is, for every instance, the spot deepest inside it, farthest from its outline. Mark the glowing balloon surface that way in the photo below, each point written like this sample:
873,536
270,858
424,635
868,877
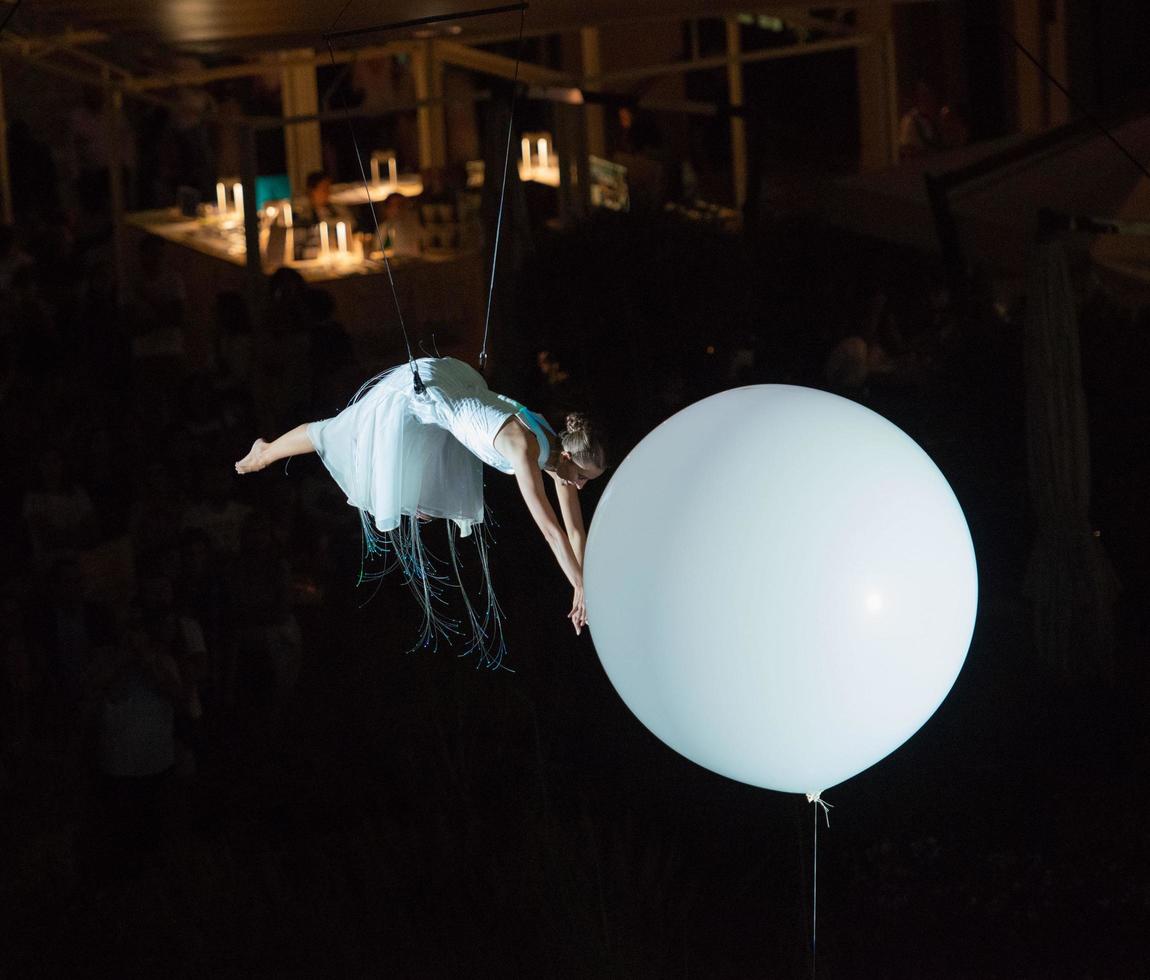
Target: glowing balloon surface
781,586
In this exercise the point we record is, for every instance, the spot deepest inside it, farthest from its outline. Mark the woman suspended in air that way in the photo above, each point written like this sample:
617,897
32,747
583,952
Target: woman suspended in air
411,446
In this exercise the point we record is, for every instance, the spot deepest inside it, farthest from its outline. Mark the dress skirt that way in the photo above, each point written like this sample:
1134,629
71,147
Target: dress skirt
402,456
397,453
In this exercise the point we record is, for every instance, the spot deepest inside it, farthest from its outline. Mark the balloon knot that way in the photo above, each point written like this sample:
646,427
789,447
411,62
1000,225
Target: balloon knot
818,799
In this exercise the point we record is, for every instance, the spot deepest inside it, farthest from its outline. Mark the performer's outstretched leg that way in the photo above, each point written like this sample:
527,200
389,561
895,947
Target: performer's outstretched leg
293,443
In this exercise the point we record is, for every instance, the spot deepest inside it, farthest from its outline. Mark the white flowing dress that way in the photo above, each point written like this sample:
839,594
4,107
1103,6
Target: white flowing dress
400,455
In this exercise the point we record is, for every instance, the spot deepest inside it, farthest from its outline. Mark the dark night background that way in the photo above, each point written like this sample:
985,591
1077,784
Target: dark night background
353,808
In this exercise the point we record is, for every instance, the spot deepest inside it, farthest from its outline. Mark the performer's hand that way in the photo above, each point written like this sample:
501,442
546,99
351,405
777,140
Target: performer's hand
578,614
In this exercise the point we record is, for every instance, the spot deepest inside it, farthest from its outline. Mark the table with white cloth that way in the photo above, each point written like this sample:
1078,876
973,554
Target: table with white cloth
441,294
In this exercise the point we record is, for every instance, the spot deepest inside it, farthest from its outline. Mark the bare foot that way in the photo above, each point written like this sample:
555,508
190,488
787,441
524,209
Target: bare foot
255,460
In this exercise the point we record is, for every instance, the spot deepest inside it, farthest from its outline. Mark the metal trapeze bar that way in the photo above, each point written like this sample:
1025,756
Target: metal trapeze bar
424,21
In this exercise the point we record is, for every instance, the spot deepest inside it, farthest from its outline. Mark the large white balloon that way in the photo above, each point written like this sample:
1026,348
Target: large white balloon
781,585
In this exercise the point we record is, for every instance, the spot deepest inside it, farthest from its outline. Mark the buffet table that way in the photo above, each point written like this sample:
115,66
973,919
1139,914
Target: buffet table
441,293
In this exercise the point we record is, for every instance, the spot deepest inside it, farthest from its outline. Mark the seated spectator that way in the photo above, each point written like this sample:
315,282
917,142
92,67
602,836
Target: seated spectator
918,129
400,225
317,206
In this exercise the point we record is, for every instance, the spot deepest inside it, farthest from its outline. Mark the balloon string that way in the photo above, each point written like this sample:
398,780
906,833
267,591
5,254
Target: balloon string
817,799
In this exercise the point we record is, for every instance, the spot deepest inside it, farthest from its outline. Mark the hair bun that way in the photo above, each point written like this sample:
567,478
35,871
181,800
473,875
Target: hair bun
582,441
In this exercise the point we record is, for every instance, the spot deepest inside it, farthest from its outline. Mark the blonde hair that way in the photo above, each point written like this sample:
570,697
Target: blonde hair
583,441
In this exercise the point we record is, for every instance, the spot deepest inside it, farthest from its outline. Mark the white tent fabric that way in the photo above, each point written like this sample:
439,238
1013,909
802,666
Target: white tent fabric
1070,581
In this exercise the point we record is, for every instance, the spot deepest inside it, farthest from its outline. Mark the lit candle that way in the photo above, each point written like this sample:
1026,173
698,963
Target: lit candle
341,237
526,153
287,214
289,245
238,192
324,247
375,170
221,198
542,153
392,171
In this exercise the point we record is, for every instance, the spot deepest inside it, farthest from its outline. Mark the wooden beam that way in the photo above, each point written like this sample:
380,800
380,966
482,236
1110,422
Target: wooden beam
341,115
488,63
18,48
722,61
70,39
268,63
803,18
877,92
775,7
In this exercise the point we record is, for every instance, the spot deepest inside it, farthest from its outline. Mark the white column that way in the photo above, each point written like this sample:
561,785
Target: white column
299,92
428,72
877,89
592,114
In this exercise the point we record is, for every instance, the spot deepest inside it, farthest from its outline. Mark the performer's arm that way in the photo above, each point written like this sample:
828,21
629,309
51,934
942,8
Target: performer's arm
572,518
530,482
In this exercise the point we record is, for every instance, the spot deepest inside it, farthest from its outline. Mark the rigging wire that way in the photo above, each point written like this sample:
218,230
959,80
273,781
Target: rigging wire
416,379
502,192
1086,113
332,33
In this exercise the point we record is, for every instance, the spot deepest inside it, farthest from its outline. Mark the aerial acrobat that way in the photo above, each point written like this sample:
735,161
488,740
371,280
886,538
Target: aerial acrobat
406,453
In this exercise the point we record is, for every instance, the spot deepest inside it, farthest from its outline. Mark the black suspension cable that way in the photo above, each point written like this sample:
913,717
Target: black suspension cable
502,193
1086,114
420,21
423,21
416,379
10,15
